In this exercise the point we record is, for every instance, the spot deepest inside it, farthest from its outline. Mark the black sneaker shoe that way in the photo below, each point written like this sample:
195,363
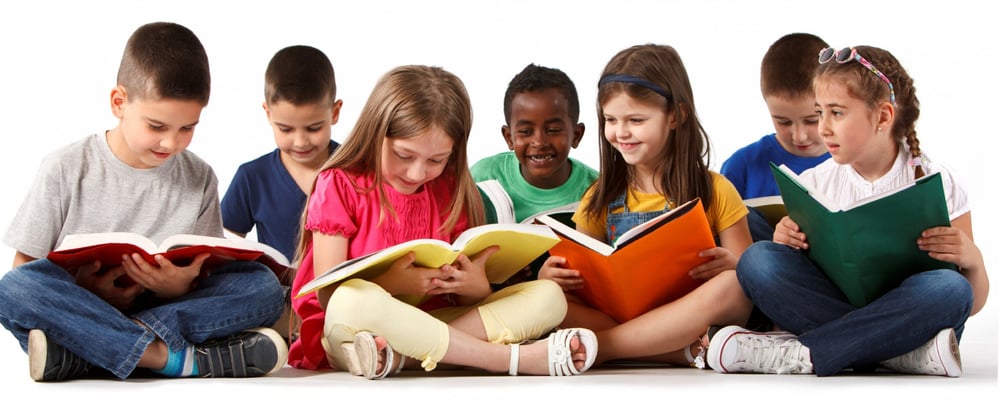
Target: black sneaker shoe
49,362
251,353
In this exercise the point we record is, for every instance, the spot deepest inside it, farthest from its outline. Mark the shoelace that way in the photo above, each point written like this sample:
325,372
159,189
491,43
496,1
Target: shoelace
759,352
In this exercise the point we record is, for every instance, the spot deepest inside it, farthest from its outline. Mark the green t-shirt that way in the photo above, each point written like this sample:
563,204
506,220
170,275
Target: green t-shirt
527,198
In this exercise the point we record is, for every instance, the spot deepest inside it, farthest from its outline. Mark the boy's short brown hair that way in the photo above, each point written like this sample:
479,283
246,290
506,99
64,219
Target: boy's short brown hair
300,75
789,64
164,60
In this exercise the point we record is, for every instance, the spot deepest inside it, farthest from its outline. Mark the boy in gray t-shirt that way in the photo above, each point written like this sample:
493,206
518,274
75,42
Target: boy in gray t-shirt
138,177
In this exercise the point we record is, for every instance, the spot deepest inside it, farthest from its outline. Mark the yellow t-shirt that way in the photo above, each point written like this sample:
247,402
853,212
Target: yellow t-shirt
727,207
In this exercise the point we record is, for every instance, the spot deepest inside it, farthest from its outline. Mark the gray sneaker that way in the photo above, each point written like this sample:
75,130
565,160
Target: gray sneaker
738,350
251,353
49,362
938,357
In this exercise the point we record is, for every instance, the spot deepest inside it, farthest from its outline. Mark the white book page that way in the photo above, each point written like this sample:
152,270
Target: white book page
576,235
88,239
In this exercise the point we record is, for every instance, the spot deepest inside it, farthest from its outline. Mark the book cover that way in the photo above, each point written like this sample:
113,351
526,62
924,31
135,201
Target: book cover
646,268
83,249
868,247
519,245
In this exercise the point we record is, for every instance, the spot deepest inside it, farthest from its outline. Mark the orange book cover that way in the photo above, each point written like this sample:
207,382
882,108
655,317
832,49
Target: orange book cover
83,249
646,268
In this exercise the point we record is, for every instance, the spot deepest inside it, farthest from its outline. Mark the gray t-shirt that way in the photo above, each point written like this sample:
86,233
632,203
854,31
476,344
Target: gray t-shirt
84,188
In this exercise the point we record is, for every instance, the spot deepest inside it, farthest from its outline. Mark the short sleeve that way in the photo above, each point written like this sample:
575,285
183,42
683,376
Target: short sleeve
735,170
332,204
236,213
586,223
36,227
727,206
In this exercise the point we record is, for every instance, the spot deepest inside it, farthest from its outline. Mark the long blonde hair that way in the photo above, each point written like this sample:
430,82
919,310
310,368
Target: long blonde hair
406,102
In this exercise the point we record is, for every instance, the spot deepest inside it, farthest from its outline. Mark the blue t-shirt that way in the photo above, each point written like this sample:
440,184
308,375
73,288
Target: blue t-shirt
264,195
750,173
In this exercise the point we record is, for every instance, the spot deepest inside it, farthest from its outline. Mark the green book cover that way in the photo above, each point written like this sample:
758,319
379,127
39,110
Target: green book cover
870,246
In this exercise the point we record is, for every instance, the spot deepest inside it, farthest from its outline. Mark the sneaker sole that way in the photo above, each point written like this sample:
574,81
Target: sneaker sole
37,353
951,360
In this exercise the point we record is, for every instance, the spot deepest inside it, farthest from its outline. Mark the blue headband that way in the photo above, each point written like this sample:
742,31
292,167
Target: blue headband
624,78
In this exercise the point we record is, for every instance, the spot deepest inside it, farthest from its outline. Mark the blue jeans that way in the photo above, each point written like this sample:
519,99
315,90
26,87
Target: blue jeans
760,228
794,293
41,295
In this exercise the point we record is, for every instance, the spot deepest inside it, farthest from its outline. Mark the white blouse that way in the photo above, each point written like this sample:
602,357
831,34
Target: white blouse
841,183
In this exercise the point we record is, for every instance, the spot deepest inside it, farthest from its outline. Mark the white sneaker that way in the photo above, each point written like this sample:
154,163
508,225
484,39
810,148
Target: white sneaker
738,350
938,357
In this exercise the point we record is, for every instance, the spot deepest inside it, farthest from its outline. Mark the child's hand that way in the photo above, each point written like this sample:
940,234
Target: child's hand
167,280
787,232
567,279
103,285
951,244
468,281
404,278
721,259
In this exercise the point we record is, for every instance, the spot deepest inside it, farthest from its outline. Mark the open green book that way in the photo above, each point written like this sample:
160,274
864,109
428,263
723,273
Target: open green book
870,246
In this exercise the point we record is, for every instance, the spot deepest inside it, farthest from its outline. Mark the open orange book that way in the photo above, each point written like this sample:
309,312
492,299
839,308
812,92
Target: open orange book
647,266
83,249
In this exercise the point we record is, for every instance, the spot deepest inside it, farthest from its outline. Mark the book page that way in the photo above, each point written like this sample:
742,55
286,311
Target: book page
575,235
88,239
501,201
184,240
567,209
653,223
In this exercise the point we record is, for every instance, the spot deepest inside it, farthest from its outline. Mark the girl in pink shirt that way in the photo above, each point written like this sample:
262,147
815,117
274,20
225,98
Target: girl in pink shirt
402,174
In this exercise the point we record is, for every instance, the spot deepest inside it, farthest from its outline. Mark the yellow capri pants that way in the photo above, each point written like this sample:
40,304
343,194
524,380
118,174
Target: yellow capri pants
514,314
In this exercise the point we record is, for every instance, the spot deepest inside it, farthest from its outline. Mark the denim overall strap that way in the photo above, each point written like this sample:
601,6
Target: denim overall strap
618,223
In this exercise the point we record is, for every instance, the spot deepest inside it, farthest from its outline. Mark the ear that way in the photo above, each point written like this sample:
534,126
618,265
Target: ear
578,130
118,100
886,116
505,131
266,110
335,111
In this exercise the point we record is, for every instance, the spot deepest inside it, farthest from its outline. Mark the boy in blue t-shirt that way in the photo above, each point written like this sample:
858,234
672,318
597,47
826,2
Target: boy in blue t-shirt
268,193
786,73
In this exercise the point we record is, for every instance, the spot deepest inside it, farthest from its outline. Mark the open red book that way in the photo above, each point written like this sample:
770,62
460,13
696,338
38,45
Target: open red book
83,249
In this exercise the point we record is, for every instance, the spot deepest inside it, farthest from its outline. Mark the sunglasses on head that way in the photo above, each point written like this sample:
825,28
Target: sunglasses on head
848,54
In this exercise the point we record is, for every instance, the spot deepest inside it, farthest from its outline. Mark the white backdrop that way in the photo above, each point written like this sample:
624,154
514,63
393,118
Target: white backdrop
60,58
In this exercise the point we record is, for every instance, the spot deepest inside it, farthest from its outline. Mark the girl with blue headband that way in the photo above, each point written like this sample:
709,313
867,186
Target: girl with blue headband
654,157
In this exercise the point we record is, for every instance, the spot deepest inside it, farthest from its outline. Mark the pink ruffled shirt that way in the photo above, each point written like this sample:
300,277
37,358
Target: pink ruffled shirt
336,207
